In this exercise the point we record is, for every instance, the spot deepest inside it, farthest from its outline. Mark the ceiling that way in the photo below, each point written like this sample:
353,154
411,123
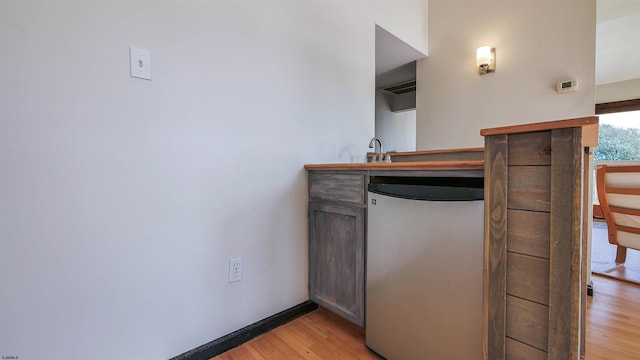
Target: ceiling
617,41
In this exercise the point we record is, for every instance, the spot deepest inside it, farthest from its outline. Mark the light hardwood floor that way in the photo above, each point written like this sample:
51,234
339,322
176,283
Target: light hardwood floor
318,335
613,315
613,325
613,321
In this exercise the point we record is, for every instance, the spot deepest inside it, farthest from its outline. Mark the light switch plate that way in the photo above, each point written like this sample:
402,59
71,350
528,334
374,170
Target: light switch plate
140,63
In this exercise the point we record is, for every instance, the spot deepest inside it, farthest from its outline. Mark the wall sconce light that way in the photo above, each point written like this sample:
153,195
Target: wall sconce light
486,59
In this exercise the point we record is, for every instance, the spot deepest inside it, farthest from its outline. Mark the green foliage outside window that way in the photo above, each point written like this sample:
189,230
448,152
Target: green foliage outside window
615,143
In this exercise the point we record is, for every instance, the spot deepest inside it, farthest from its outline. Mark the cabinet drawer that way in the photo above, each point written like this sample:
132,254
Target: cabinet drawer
337,187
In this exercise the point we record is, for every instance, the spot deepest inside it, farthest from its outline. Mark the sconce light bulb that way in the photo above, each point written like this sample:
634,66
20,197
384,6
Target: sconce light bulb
485,59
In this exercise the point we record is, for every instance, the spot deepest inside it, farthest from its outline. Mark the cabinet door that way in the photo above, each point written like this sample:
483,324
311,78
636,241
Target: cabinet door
336,259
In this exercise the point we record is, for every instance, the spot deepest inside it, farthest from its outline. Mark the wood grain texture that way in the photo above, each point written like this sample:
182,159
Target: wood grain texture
319,335
530,148
544,235
345,187
604,203
435,155
516,350
404,165
541,126
618,106
621,168
623,191
495,248
590,135
528,277
619,210
528,233
529,188
565,283
454,151
336,259
613,315
527,322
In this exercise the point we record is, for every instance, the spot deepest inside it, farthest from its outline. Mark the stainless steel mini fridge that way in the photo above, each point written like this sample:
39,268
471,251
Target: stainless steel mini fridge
424,268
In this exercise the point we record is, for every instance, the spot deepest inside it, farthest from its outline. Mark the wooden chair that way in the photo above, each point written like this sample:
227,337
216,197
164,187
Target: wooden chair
618,186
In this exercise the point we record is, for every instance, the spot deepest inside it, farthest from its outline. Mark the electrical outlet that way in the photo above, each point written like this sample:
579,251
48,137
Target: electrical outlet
235,269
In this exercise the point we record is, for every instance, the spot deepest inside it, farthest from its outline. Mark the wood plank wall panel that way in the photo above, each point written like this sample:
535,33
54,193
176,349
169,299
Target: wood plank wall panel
566,245
527,322
495,233
516,350
528,277
529,188
528,240
544,248
530,148
528,233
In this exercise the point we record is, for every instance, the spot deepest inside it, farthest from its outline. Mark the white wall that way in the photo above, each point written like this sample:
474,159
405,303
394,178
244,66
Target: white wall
121,200
618,91
404,19
537,44
396,129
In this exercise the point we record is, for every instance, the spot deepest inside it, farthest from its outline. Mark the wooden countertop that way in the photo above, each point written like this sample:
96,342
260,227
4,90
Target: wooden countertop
405,165
589,126
431,152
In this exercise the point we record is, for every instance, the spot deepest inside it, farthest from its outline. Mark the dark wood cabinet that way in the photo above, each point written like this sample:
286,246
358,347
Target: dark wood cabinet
337,227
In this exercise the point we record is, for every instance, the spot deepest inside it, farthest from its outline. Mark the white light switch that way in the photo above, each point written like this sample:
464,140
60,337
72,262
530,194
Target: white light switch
140,63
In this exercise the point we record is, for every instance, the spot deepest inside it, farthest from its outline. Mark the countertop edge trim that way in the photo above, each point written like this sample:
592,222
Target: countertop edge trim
541,126
418,165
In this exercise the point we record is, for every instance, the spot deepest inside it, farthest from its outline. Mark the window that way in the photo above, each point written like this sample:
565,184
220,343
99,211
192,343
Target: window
619,136
618,120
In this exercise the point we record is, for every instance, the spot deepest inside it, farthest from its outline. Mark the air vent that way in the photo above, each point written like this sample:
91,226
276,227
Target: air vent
402,88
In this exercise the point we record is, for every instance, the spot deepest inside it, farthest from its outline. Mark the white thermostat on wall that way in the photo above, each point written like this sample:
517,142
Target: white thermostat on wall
567,85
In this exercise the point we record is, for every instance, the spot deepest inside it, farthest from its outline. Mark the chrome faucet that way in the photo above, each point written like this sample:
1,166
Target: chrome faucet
377,156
